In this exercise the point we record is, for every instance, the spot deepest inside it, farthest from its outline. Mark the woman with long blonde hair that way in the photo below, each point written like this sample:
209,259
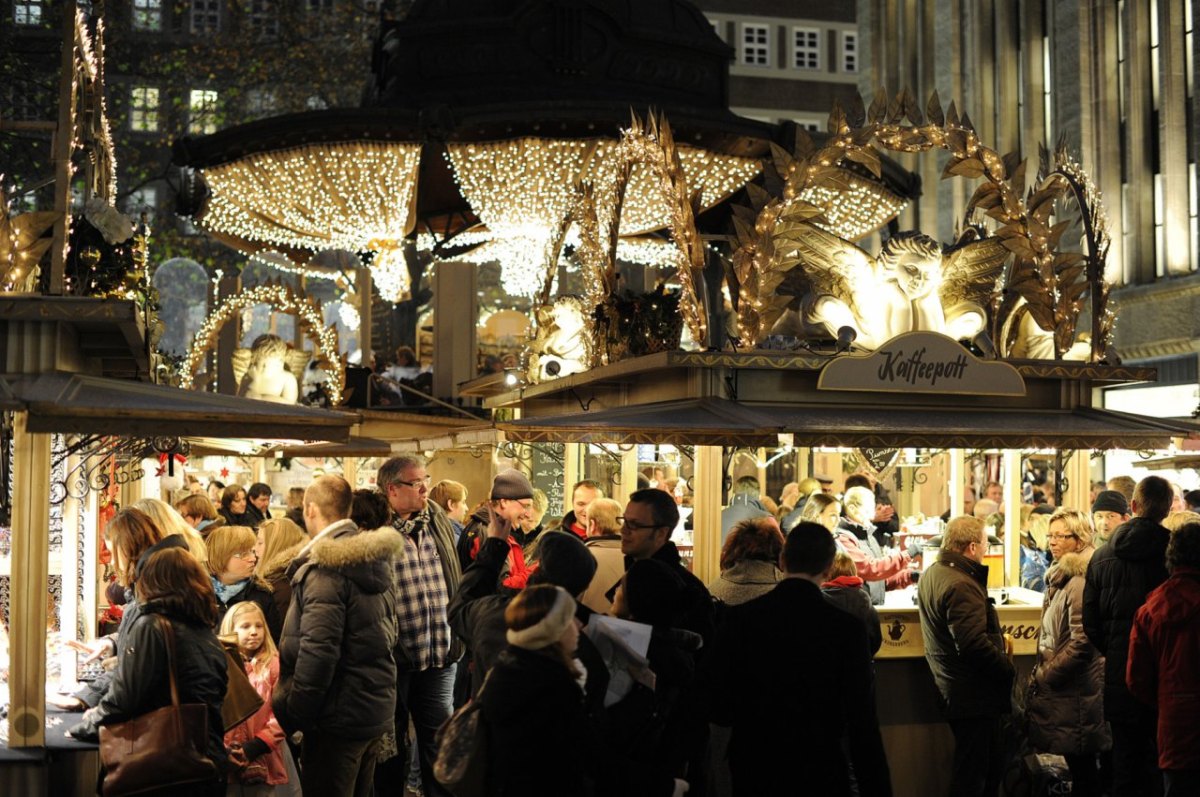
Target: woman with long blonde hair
279,540
171,522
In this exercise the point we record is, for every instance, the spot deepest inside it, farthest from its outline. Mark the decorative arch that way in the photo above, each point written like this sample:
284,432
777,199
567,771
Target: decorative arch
280,299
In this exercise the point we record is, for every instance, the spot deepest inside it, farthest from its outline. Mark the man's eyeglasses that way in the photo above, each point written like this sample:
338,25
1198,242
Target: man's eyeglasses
416,484
632,526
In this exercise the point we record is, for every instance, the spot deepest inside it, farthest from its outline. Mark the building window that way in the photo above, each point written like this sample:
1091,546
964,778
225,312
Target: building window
756,45
206,16
806,48
261,103
264,22
147,14
143,200
849,51
29,12
812,124
202,112
143,109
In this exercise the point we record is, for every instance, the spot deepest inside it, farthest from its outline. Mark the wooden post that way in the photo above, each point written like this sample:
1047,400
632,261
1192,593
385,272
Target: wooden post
363,284
64,135
1012,518
455,306
957,472
30,582
572,471
706,522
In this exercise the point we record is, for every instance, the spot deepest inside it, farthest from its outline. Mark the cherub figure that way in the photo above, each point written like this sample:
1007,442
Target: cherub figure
267,377
914,284
560,346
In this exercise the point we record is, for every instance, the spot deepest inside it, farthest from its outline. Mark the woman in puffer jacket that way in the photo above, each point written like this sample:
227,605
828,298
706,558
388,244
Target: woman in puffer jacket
1065,703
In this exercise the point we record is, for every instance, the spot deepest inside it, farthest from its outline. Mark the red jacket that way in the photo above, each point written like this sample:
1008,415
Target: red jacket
1164,666
517,571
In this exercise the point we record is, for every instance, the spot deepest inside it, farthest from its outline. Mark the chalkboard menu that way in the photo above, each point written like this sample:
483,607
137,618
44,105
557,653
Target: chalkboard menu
547,474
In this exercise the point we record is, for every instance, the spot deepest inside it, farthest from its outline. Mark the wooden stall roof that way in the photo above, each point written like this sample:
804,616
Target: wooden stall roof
715,421
110,333
76,403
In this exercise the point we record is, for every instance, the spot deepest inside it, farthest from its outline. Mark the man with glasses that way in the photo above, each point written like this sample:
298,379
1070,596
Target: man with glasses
511,501
427,576
965,649
650,517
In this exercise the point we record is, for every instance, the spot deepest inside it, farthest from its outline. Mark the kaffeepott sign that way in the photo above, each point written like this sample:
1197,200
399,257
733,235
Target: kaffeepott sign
922,362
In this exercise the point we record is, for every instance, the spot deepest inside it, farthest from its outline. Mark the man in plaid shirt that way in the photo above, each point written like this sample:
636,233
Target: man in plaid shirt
426,580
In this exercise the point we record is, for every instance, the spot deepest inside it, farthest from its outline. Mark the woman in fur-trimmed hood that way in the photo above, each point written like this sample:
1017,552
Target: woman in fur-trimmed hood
337,672
1065,703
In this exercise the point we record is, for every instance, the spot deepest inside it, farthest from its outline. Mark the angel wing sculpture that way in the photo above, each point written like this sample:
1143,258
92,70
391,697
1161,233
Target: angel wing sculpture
270,370
913,284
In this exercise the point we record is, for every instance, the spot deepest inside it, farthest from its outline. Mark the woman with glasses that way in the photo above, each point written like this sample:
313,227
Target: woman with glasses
231,565
1065,702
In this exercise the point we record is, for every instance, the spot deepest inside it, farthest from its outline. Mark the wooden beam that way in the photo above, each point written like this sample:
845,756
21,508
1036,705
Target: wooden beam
706,523
30,582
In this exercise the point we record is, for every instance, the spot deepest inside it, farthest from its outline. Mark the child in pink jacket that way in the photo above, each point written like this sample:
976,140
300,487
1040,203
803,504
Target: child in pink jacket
255,745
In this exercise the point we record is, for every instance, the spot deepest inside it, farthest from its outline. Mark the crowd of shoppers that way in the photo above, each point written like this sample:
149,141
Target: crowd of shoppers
379,613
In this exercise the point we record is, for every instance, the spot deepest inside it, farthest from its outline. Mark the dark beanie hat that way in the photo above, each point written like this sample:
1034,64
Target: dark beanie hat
564,562
655,593
1111,501
511,484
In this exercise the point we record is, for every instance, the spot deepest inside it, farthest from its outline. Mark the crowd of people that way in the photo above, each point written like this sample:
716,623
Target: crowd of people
390,608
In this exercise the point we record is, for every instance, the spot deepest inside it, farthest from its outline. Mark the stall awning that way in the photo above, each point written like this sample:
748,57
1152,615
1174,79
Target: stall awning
80,404
710,421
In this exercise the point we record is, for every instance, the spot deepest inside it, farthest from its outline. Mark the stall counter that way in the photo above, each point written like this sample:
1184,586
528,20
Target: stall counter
1020,613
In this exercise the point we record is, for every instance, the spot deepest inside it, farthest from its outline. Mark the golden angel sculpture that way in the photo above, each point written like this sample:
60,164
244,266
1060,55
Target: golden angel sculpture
270,370
914,284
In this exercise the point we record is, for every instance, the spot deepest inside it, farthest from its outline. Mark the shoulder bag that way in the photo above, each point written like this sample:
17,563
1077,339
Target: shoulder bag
161,749
462,742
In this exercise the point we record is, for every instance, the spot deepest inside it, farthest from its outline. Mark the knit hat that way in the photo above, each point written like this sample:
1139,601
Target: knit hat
655,593
564,561
550,628
511,484
1111,501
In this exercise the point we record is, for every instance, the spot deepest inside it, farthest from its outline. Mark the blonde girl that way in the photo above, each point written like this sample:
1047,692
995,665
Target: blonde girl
256,746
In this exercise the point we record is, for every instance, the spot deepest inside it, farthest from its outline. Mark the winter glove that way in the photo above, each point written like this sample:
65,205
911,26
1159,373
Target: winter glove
254,748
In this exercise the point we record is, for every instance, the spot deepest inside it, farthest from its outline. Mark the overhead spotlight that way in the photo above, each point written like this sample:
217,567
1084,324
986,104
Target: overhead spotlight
553,367
983,342
846,337
510,379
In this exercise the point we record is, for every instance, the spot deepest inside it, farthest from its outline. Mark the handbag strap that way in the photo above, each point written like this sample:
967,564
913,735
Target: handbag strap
168,632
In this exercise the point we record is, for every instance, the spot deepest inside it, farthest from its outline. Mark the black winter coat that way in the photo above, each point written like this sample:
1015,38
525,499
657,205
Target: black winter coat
963,641
532,698
700,616
792,635
476,614
855,600
93,692
336,666
141,682
1120,576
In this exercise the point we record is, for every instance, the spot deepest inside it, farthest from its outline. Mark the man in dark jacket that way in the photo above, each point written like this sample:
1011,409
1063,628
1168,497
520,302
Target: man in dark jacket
794,636
1119,577
258,504
337,674
650,517
966,652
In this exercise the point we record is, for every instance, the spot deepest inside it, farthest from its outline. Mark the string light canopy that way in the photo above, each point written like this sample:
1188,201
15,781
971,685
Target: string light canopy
520,188
356,196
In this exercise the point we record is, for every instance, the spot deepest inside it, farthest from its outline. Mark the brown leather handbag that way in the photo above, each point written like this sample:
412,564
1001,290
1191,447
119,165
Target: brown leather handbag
161,749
